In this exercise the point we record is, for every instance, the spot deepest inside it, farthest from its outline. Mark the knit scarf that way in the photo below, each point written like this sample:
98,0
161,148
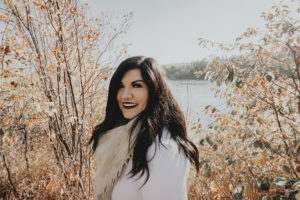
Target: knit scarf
113,154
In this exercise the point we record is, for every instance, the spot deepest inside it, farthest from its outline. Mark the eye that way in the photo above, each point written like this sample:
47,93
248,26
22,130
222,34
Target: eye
137,85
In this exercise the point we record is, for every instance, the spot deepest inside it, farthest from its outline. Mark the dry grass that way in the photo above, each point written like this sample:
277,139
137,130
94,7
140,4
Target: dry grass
37,179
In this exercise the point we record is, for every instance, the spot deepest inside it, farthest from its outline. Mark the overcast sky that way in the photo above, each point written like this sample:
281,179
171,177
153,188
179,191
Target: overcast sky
168,30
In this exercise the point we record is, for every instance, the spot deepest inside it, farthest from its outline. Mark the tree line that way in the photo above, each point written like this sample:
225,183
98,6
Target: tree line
184,71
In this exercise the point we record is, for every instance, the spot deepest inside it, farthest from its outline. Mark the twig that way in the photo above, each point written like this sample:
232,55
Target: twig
9,177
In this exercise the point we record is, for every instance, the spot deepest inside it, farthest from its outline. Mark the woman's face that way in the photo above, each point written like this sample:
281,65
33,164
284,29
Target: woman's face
133,94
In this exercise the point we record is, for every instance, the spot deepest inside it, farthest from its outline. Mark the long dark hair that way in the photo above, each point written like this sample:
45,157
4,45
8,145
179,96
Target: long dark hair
161,111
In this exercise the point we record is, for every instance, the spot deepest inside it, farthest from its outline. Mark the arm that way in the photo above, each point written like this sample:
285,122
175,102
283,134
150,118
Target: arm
168,170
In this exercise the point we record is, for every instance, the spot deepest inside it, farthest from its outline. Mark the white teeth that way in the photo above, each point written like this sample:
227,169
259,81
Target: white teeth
129,104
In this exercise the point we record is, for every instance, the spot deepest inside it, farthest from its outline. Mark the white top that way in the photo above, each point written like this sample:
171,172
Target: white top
168,170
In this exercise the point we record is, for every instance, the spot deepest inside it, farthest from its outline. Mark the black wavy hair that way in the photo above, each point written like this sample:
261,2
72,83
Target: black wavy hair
161,111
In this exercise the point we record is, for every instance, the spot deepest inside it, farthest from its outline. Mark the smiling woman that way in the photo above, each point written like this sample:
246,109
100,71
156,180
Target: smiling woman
133,94
142,148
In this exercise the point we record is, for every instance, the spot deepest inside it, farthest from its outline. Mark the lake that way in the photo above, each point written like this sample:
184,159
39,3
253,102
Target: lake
193,96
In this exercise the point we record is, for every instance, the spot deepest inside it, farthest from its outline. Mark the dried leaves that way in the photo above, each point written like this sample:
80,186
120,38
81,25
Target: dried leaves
253,147
52,80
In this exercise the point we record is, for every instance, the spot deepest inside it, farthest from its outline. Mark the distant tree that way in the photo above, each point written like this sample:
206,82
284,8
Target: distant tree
184,71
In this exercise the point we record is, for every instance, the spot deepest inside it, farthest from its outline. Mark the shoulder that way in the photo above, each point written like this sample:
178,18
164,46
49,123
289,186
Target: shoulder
168,170
166,146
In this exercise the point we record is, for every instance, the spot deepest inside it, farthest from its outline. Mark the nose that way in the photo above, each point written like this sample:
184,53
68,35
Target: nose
126,93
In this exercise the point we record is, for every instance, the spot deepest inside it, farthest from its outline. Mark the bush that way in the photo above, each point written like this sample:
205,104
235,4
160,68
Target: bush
252,151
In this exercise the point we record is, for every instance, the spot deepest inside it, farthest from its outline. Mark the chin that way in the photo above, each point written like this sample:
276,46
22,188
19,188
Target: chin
129,115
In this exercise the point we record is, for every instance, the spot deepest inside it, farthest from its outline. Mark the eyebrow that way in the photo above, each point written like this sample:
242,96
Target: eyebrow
135,81
138,81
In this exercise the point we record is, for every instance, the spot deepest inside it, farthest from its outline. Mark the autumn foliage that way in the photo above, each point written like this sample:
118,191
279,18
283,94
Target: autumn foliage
53,60
53,78
252,149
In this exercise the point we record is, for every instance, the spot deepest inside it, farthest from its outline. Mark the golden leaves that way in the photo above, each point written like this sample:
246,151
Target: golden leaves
265,115
216,193
42,7
5,49
259,120
9,121
51,67
51,187
62,186
251,191
37,2
262,161
2,18
290,40
73,11
40,49
240,167
284,135
50,74
10,141
39,5
13,83
224,121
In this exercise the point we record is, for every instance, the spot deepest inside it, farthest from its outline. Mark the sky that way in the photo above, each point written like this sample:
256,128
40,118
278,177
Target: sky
168,30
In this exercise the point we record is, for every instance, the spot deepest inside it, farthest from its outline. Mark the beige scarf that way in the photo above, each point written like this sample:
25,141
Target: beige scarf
112,155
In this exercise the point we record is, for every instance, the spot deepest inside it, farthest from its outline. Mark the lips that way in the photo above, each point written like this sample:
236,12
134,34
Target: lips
129,105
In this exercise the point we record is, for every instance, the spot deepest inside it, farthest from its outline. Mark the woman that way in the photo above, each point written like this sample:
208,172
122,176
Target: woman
142,146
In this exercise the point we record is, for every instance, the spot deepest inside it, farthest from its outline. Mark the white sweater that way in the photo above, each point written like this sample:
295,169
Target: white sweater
168,170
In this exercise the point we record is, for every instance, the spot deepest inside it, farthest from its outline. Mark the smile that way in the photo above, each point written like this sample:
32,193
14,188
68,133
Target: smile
129,105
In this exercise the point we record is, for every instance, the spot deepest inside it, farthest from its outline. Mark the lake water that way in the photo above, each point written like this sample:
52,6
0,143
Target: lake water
193,96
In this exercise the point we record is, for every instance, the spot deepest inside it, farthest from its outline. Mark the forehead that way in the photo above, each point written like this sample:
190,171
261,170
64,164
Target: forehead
132,75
